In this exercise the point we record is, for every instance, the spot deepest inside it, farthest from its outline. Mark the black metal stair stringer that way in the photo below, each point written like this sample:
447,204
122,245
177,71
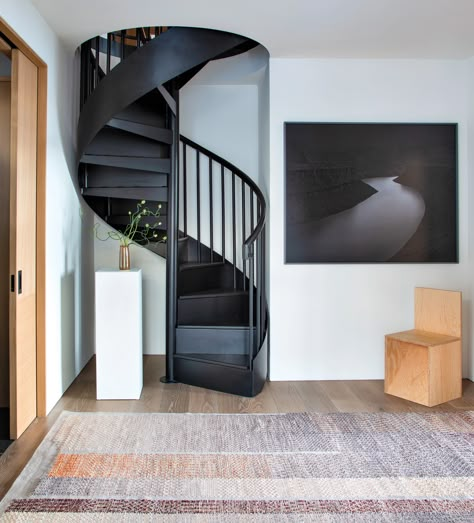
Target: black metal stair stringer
171,54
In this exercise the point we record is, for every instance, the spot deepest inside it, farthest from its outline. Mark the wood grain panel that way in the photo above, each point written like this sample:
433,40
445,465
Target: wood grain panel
423,373
445,373
5,101
406,370
20,44
438,311
23,243
5,48
427,339
41,242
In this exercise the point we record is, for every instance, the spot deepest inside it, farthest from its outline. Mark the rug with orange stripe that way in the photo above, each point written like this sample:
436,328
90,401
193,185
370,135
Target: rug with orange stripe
250,467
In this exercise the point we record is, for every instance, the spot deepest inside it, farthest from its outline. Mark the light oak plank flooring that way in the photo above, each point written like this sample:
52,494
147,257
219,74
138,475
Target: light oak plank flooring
296,396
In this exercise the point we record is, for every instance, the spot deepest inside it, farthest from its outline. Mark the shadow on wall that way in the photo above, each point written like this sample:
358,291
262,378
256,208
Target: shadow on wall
77,303
65,92
85,298
68,329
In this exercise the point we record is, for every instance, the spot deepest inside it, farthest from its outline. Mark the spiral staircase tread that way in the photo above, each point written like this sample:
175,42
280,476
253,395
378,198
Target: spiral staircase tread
152,132
157,165
214,293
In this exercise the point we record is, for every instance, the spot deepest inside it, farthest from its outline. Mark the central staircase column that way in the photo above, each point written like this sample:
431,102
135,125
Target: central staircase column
172,255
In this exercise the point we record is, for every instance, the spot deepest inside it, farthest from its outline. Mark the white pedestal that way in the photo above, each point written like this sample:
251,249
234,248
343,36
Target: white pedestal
118,334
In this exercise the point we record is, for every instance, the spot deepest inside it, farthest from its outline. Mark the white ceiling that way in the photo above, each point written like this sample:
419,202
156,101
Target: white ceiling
289,28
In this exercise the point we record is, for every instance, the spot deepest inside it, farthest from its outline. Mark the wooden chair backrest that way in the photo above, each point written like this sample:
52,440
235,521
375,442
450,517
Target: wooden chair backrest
438,311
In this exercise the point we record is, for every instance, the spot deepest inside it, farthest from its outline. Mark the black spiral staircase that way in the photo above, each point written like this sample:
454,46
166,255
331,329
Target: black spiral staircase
213,214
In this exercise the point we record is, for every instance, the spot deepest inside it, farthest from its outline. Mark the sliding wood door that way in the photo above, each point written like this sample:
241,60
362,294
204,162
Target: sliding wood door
5,104
24,110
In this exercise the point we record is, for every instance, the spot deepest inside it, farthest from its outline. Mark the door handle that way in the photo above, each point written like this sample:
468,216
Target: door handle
20,290
12,283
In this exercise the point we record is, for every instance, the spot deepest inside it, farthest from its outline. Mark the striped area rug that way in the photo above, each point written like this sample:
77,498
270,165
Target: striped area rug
108,467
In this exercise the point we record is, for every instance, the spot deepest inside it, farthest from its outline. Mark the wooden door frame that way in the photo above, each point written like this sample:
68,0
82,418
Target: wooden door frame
21,45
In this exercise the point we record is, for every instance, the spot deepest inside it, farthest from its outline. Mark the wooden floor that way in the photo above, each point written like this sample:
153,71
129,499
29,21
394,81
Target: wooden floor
278,396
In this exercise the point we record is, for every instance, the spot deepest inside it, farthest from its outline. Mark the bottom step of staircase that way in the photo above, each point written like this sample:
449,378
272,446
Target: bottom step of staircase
223,372
234,360
212,339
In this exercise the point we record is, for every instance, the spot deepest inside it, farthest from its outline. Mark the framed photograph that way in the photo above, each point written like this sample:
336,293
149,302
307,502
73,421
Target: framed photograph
371,192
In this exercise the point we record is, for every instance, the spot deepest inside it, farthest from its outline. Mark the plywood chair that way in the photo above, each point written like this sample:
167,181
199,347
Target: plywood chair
424,364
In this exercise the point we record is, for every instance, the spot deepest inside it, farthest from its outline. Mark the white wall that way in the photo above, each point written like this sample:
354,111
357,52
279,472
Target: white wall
69,258
264,160
220,108
329,321
224,119
264,131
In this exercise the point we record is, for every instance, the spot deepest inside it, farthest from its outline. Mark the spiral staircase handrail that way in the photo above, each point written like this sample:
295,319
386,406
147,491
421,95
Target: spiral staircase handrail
248,181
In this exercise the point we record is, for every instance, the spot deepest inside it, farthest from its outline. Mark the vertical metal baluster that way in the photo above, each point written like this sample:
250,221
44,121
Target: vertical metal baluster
244,261
137,37
90,71
198,206
172,247
251,336
265,319
211,211
234,242
253,260
122,41
97,58
185,193
259,281
86,70
180,195
109,52
252,221
83,75
264,276
223,212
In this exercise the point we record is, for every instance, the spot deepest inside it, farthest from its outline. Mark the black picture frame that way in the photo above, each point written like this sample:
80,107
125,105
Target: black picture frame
371,192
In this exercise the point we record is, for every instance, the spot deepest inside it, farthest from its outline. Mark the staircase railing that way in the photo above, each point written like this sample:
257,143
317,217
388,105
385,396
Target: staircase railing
215,195
113,48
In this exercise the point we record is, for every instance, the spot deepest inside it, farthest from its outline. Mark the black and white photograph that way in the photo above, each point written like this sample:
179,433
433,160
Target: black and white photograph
371,192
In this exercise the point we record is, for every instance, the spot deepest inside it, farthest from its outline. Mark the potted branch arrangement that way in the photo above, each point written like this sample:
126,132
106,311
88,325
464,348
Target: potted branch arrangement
134,232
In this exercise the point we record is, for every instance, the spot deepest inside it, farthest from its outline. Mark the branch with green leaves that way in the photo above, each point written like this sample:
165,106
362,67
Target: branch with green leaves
133,232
